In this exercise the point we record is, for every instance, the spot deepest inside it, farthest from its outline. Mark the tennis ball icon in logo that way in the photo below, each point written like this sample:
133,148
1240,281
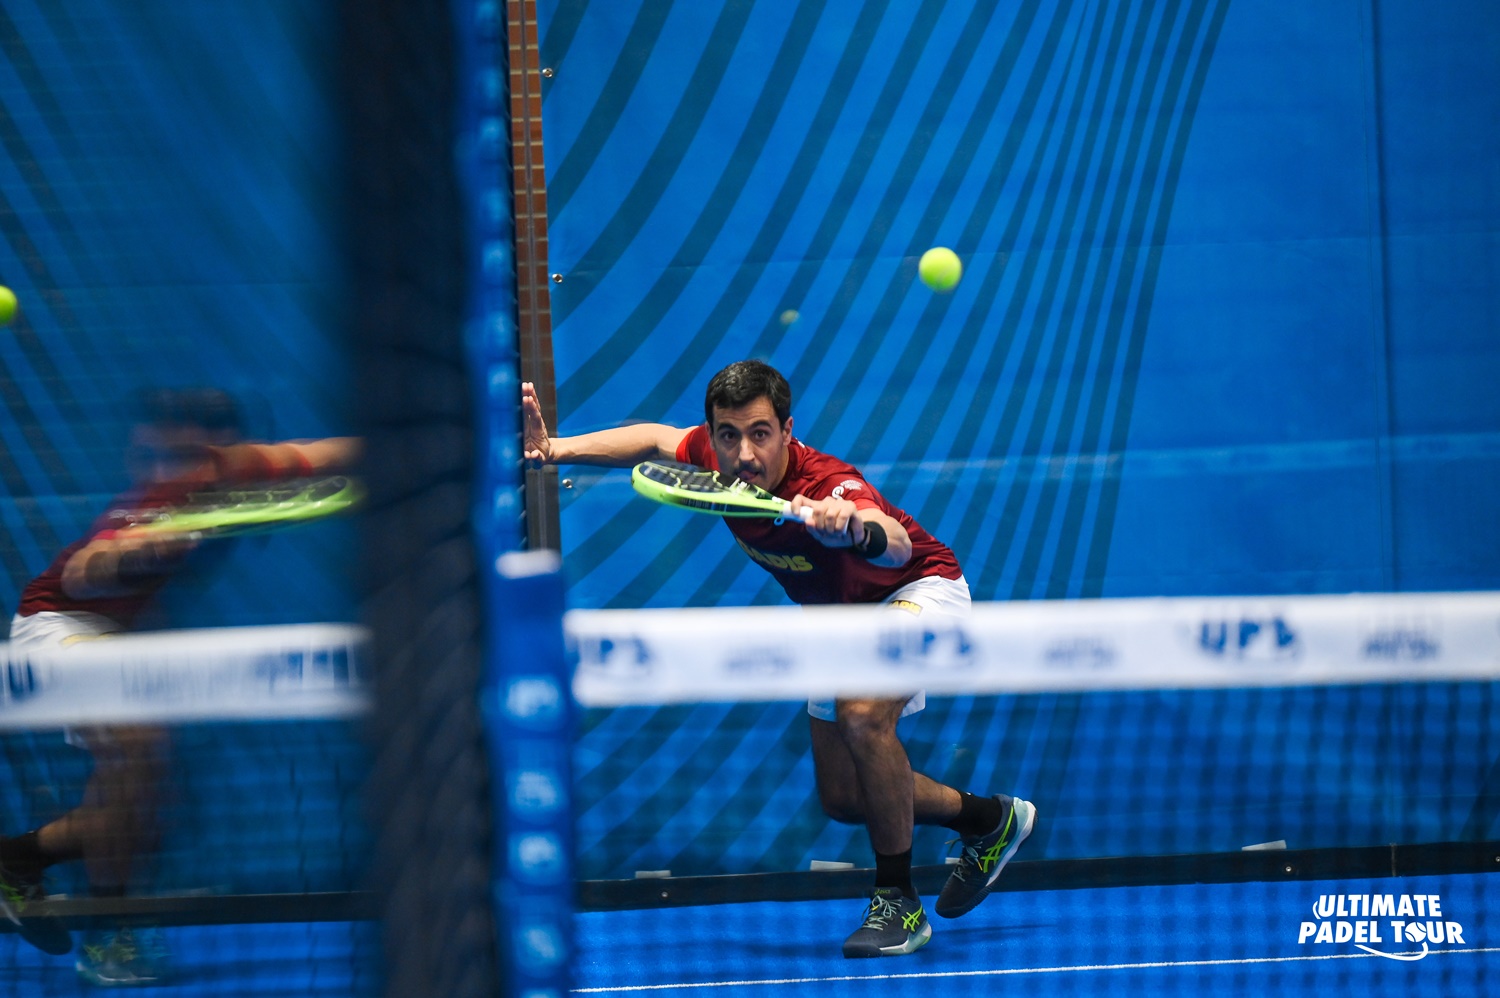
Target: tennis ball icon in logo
939,268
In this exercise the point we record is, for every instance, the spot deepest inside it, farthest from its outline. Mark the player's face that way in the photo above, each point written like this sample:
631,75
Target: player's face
751,443
162,453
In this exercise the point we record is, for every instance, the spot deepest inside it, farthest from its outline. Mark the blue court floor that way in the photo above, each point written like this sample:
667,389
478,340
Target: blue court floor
315,960
1218,939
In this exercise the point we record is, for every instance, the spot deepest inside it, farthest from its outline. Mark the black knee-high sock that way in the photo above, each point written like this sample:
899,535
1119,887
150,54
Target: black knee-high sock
895,871
23,855
978,815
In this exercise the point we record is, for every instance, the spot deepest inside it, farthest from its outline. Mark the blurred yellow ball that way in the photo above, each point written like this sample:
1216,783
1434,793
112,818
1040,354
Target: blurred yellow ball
789,316
940,269
7,306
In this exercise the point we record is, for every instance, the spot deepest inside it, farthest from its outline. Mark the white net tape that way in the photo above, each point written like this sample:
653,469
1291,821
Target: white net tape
790,653
787,653
302,670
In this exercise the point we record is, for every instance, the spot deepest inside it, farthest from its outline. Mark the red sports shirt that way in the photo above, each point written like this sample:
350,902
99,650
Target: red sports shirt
45,592
808,571
244,462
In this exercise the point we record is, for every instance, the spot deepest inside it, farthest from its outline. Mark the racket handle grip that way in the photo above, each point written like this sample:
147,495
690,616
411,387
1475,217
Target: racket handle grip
805,514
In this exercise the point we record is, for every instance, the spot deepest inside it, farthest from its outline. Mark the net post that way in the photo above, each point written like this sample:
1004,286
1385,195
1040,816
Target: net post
527,709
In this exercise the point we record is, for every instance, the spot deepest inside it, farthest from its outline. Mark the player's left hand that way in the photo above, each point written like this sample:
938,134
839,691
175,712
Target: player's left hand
833,523
536,445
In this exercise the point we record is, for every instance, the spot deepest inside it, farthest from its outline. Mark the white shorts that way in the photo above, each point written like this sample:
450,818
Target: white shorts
930,595
59,627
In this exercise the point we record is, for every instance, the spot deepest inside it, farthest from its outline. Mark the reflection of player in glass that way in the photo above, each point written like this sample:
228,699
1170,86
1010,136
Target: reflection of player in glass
857,548
181,440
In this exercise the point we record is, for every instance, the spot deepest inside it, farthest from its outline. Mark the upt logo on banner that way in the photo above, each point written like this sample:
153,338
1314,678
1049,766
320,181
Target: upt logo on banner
929,649
615,657
1250,638
20,681
1388,925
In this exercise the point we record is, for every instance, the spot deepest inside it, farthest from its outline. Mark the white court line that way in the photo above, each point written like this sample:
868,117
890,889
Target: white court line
1016,970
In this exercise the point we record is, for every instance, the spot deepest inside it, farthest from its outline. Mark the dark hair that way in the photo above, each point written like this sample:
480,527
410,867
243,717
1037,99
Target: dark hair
212,409
743,382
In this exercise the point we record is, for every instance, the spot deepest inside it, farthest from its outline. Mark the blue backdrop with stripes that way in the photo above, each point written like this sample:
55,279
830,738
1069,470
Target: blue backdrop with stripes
171,215
1227,318
1227,326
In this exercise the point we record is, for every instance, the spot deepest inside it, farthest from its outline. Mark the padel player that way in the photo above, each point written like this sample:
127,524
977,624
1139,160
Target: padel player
181,440
858,548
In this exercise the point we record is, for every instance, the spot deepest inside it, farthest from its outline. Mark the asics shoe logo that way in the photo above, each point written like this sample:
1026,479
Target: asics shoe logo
992,854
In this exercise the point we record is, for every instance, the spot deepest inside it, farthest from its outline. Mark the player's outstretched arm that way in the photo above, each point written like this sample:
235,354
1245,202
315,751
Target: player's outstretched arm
286,459
621,447
114,564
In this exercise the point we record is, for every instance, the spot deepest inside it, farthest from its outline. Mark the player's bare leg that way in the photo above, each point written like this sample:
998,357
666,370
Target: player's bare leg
990,828
111,830
881,770
117,826
863,774
839,787
118,819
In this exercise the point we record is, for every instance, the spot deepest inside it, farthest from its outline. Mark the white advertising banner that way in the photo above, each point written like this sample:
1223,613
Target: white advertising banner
303,670
780,653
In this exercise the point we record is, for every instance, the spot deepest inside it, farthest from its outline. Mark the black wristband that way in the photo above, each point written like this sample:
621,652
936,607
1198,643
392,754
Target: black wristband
875,542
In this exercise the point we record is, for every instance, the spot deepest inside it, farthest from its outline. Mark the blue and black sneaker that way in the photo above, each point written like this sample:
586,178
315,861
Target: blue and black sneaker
19,894
123,958
894,926
983,857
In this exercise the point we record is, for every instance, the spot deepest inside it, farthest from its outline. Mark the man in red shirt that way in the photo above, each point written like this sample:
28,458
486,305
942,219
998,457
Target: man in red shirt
856,548
181,441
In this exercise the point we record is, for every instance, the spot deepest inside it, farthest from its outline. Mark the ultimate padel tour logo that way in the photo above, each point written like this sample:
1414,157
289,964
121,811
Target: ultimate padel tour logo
1388,925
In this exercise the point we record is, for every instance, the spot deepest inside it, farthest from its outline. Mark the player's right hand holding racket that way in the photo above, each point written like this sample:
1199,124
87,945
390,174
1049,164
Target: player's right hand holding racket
832,522
839,523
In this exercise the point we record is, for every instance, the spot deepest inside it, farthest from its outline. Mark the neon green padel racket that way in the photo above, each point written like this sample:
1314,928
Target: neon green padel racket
234,512
687,486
